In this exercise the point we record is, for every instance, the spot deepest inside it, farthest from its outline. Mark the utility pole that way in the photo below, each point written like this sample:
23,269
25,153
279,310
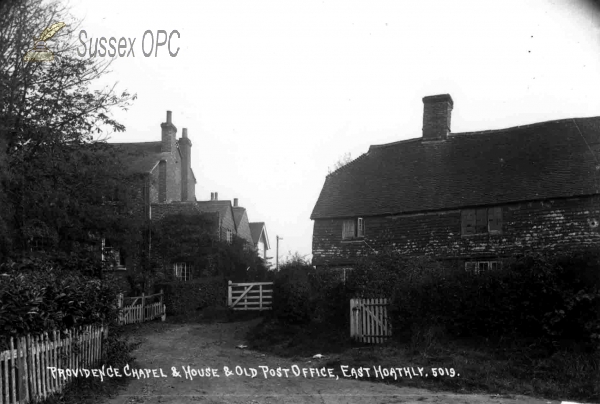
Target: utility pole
277,256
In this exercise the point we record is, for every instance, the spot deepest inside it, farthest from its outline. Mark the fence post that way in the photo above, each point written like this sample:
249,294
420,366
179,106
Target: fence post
229,295
143,316
162,306
120,307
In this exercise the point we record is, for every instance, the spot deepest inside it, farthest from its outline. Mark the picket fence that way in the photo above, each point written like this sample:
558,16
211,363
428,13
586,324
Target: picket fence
144,311
369,320
24,373
250,296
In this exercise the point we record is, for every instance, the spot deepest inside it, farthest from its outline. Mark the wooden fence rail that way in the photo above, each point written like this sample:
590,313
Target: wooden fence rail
369,320
25,376
144,311
250,296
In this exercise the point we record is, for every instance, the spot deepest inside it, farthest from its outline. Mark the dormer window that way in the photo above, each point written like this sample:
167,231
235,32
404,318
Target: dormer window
353,228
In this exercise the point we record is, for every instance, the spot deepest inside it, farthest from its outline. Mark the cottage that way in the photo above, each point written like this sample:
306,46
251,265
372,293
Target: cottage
468,198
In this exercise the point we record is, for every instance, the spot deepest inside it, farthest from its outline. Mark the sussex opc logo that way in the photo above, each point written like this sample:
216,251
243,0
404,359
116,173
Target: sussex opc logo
39,52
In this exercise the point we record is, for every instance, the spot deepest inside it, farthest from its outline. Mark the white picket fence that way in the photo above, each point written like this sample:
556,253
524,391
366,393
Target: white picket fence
24,373
250,296
132,313
369,320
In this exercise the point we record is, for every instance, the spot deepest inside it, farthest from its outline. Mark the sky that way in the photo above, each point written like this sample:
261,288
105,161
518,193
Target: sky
273,93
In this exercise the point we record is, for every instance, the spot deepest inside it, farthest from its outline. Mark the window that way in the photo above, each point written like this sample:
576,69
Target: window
113,255
183,271
229,236
353,228
478,267
481,221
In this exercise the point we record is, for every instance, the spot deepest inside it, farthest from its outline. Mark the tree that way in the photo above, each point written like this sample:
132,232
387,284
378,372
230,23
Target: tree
59,180
342,161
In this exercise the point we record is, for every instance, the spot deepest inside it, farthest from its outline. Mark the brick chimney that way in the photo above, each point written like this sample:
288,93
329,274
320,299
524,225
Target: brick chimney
235,202
437,112
216,196
169,131
212,196
185,146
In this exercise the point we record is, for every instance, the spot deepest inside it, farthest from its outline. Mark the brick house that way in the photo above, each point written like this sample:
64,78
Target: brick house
470,199
167,176
168,188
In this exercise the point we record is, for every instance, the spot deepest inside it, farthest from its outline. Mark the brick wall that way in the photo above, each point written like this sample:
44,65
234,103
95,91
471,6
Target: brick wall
528,226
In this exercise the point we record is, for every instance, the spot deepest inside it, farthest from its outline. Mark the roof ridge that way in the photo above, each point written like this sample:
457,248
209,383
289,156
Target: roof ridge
489,131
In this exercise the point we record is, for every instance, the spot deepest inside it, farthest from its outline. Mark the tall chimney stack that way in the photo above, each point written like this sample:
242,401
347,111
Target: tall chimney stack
235,202
437,112
169,132
185,146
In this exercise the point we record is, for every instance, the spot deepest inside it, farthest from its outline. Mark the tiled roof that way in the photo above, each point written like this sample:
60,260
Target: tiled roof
539,161
215,206
241,224
141,157
238,213
256,229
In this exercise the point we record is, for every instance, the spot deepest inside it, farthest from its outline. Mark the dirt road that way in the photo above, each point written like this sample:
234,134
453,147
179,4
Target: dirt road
202,346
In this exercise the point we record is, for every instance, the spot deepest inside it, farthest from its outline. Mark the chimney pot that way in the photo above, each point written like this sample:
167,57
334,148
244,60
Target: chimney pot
216,196
437,113
184,134
169,117
235,202
212,196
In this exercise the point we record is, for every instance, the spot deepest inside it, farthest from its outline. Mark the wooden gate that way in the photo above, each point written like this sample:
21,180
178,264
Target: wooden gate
250,296
142,308
369,320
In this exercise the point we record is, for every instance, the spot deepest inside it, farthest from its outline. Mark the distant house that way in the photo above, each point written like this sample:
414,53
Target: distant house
227,228
469,199
260,238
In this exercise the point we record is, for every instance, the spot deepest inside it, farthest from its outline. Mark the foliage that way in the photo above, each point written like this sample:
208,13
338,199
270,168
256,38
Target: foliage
302,295
54,174
186,297
191,238
36,297
535,296
342,161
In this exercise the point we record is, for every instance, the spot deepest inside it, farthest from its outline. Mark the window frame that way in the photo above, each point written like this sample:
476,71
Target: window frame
480,221
478,266
182,271
120,263
357,224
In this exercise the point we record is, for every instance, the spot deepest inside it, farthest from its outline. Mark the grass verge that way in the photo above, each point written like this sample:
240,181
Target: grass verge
479,366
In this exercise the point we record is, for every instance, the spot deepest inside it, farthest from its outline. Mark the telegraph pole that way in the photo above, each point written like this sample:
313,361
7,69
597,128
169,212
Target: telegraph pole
277,256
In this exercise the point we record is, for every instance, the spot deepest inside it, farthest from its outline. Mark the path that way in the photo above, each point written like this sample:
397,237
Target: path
214,346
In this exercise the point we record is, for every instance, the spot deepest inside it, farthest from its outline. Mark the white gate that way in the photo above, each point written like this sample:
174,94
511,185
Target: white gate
250,296
369,320
149,308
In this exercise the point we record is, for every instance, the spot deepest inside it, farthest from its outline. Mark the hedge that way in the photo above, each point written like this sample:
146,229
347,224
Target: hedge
187,297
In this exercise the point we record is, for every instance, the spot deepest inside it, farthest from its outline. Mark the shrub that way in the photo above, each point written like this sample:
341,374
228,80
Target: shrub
534,296
33,301
187,297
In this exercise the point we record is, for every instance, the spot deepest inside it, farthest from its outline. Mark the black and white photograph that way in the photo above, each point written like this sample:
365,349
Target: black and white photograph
299,201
